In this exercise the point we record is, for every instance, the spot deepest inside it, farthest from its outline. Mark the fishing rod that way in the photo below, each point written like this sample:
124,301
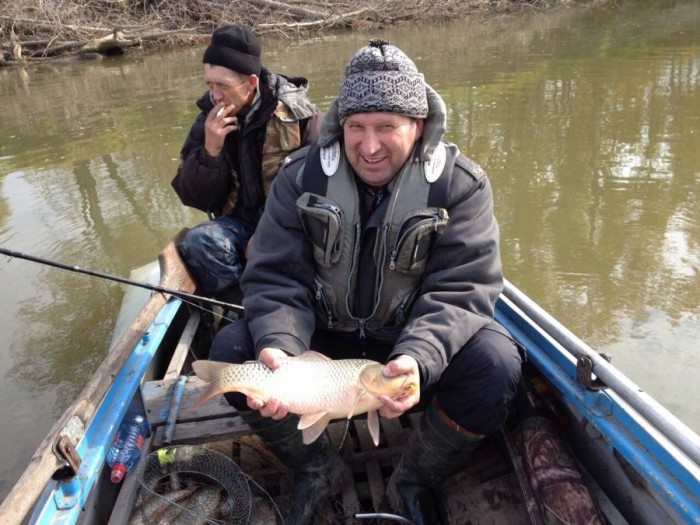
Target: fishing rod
123,280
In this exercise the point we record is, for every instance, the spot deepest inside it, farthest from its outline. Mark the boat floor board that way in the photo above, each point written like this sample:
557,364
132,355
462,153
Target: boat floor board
486,492
157,396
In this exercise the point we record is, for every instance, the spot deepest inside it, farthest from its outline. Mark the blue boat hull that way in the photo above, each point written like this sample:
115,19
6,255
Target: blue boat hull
641,460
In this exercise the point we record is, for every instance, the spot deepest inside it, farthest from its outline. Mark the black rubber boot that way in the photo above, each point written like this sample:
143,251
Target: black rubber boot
316,468
434,451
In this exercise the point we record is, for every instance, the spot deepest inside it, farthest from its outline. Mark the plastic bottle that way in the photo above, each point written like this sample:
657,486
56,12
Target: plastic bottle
125,451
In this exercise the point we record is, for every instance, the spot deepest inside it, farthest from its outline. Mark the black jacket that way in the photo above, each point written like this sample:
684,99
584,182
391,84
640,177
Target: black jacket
205,182
460,283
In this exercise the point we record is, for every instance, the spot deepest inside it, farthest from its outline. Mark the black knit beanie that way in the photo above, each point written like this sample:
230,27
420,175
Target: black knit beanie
380,77
235,47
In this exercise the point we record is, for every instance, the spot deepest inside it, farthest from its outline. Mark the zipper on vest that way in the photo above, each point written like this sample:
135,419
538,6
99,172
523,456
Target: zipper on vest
327,206
401,309
434,217
325,303
379,282
363,322
353,268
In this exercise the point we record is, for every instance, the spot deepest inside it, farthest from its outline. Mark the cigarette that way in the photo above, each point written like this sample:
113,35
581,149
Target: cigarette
218,113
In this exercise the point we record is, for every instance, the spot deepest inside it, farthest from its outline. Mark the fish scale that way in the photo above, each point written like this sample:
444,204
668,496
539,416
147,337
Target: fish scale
311,385
303,385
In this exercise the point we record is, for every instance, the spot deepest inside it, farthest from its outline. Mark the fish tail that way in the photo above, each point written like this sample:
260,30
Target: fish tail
211,372
208,370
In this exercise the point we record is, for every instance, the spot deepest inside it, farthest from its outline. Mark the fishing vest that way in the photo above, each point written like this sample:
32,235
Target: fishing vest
416,216
282,136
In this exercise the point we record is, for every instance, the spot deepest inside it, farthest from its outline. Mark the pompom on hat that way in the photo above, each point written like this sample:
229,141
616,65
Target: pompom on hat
380,77
234,47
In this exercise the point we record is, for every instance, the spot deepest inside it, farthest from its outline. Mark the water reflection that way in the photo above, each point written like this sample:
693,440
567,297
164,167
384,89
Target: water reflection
587,124
85,165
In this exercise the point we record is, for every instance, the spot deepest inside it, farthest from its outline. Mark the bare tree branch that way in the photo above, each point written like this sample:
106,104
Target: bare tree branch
330,21
39,29
19,22
297,11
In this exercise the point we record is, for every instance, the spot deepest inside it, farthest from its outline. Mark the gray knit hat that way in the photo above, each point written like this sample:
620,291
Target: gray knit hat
380,77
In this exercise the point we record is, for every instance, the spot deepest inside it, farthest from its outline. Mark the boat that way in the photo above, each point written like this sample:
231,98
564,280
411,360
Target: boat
584,436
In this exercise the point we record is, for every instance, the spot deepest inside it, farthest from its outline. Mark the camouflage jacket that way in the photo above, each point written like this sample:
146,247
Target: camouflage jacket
237,181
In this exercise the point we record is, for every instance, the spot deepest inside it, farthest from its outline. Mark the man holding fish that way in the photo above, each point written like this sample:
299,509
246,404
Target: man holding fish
250,120
379,242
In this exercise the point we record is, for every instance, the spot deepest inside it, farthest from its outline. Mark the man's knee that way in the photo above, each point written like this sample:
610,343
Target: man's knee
478,387
213,254
209,239
500,351
233,344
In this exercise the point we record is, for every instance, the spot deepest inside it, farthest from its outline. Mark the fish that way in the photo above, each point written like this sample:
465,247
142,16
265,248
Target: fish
191,506
151,510
314,387
201,506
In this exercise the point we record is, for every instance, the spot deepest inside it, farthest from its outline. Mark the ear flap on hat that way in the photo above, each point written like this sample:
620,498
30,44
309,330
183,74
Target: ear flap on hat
331,127
435,123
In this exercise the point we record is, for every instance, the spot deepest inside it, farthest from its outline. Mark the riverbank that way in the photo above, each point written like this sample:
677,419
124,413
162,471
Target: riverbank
34,30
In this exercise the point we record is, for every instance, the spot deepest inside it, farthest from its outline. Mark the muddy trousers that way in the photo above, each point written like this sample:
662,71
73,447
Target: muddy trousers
435,450
314,466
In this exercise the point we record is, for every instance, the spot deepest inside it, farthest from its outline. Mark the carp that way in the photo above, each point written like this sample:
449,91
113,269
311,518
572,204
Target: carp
313,386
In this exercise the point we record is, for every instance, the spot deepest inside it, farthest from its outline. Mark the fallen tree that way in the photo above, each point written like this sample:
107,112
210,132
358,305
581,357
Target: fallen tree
44,29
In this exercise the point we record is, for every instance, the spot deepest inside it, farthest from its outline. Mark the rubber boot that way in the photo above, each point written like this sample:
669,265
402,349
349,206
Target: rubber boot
315,467
434,451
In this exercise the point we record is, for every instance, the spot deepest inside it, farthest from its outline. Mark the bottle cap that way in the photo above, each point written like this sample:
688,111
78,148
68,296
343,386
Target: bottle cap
118,472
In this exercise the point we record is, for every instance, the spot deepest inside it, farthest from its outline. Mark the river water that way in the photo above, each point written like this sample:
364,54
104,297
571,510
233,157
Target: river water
588,124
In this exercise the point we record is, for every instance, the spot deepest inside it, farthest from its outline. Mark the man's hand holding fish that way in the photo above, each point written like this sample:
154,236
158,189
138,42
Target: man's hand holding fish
311,385
278,409
273,408
406,365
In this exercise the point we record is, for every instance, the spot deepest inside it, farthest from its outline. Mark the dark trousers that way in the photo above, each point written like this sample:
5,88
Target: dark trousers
214,252
475,390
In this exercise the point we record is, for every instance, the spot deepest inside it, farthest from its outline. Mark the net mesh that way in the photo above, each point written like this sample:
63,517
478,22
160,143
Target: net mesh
191,484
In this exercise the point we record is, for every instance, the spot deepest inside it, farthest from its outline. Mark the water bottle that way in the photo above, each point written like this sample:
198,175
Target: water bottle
125,451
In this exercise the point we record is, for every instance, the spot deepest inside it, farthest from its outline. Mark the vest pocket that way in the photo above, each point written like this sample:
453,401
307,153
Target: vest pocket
417,235
323,223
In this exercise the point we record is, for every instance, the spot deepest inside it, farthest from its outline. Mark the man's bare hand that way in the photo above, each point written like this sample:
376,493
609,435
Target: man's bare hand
221,121
402,364
272,357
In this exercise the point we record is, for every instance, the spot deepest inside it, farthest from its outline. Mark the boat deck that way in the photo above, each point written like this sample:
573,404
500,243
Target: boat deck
492,489
487,491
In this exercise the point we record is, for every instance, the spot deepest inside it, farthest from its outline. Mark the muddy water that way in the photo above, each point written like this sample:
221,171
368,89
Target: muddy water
587,123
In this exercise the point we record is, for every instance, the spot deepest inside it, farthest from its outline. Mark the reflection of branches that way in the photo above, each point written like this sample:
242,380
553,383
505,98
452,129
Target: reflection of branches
68,362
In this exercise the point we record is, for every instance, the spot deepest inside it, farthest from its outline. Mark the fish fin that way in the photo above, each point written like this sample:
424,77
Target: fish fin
212,389
373,425
208,370
354,405
308,420
310,355
311,434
